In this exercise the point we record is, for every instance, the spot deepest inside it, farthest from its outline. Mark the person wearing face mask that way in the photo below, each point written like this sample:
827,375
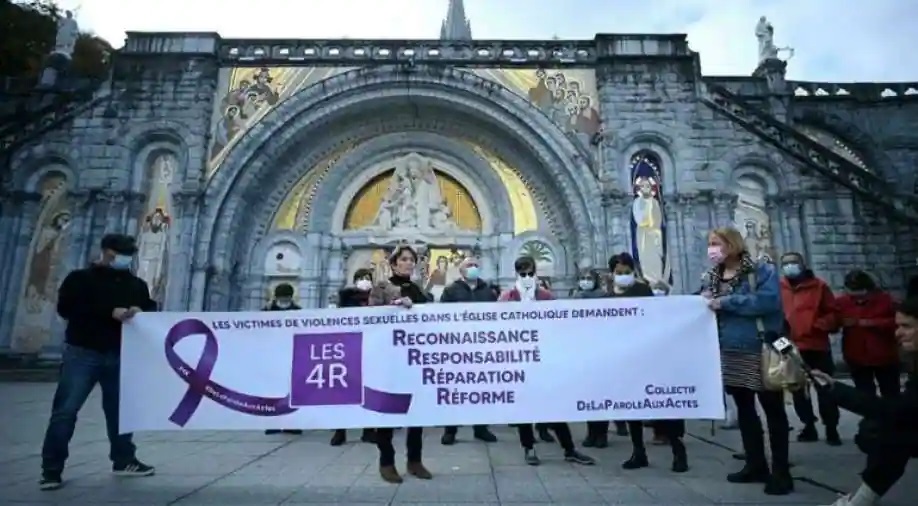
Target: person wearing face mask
892,438
868,318
741,309
811,312
468,288
400,290
357,295
590,286
625,283
96,302
527,290
283,301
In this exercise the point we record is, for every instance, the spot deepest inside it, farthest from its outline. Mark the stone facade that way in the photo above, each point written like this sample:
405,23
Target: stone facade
730,151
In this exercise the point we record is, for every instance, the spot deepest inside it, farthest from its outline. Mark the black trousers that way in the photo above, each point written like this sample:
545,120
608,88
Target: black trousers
414,441
868,378
562,432
453,429
601,428
672,430
887,461
803,405
750,426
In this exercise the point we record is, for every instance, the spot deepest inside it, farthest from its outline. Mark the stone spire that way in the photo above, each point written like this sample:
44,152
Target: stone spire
456,26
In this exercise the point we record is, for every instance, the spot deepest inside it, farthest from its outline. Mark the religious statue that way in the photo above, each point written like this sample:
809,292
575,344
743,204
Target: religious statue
765,33
153,244
44,271
67,34
648,219
437,279
413,199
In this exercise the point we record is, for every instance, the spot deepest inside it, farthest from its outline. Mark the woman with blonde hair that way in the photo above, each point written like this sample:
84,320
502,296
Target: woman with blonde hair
746,295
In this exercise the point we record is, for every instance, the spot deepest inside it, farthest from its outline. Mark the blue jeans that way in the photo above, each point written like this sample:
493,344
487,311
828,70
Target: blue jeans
81,369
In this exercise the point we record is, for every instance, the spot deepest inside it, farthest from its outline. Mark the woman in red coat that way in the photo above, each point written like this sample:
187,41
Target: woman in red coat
868,318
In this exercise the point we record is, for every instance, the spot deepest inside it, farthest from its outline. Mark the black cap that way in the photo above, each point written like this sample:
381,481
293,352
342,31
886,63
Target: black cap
119,243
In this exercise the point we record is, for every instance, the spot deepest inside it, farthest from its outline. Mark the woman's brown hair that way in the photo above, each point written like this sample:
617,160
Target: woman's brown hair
734,245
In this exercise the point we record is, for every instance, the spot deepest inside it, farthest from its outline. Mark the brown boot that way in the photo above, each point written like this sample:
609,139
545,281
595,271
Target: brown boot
390,474
418,470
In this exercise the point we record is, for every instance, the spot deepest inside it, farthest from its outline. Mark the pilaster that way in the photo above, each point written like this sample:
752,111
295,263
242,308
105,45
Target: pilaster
17,228
186,204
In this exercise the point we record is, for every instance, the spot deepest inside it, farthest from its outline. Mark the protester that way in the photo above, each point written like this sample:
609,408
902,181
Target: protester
894,437
357,295
739,308
590,286
400,290
95,302
868,319
626,283
283,301
660,289
811,312
469,288
527,290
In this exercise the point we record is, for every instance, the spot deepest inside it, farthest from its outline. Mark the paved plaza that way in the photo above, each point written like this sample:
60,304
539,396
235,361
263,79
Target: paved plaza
249,468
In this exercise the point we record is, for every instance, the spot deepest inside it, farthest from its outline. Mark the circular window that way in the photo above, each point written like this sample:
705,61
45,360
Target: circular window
279,256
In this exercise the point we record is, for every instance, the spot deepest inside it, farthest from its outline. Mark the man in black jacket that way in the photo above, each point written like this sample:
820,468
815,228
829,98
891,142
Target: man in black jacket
283,301
95,301
469,288
893,438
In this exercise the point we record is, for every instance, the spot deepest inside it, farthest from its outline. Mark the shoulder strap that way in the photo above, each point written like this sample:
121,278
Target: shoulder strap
753,284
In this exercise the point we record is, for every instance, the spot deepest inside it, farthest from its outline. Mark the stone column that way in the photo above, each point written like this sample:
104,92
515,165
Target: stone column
181,250
616,209
694,210
776,223
791,206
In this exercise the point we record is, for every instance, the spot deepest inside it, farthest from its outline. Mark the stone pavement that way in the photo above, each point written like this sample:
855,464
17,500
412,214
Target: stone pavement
249,468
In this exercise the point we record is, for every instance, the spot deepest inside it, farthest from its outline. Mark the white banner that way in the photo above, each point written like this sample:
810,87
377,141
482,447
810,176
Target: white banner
436,364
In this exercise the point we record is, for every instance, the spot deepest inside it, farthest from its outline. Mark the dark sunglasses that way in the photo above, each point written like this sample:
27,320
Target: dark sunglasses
525,274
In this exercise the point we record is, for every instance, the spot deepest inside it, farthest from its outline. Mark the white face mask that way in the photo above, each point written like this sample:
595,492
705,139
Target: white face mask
586,284
364,285
526,282
624,280
659,292
284,304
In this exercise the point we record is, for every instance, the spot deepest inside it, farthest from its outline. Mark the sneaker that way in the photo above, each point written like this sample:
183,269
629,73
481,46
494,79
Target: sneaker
750,474
588,442
578,458
50,480
531,458
270,432
133,468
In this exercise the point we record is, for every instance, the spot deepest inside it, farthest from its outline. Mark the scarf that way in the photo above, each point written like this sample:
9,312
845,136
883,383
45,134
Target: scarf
715,283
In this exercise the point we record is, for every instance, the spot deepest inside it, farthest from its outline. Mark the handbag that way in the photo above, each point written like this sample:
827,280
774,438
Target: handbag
780,371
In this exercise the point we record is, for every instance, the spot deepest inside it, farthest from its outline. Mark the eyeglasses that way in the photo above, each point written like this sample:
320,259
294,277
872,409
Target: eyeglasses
525,274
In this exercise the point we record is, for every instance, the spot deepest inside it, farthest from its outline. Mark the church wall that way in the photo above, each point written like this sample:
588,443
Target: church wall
652,106
166,101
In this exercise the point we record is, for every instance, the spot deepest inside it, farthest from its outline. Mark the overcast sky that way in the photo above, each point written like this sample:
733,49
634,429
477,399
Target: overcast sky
835,40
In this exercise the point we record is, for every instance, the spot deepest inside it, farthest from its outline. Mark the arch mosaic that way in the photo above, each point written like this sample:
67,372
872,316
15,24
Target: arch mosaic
457,160
448,89
31,165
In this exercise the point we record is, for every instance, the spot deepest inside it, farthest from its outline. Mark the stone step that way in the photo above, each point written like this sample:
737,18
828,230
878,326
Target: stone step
858,180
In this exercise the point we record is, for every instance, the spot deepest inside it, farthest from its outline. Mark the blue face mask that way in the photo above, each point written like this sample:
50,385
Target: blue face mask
471,273
792,270
122,262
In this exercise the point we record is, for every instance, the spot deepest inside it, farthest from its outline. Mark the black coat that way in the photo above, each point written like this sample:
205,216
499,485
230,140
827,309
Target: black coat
353,297
461,291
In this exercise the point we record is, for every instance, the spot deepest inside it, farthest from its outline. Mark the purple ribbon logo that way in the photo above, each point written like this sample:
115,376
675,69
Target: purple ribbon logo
327,370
